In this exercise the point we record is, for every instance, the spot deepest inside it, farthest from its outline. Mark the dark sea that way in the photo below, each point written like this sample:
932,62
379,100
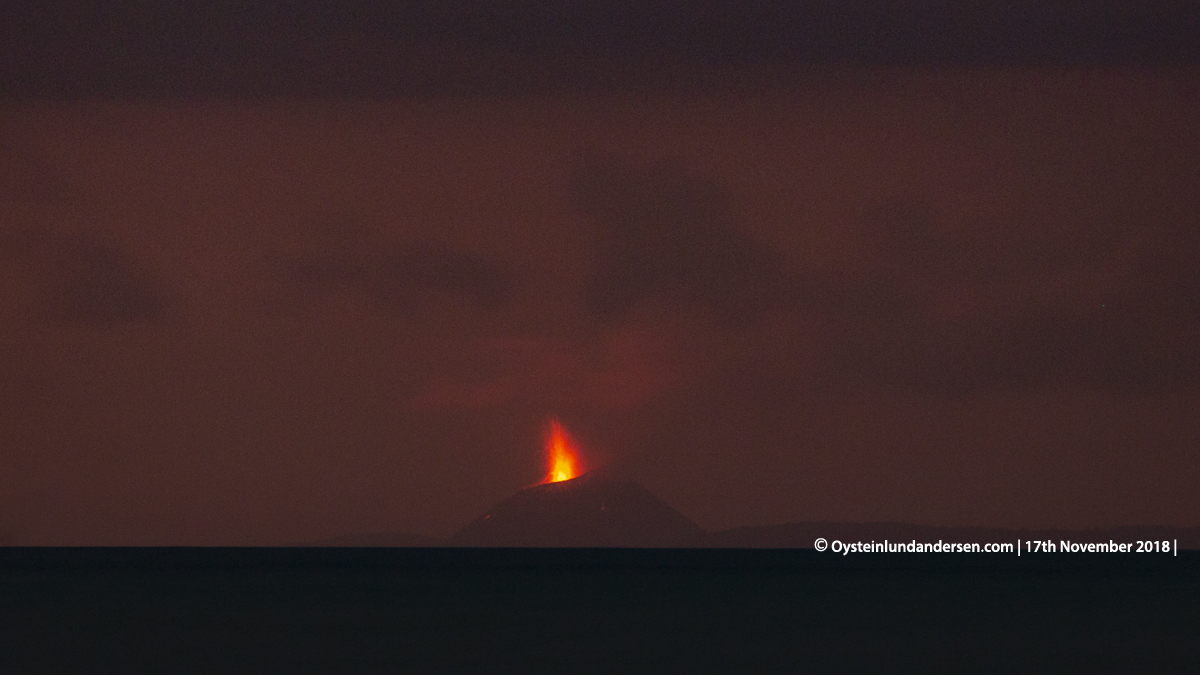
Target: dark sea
300,610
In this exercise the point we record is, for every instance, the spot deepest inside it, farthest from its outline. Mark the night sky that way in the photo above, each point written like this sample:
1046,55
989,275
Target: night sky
271,278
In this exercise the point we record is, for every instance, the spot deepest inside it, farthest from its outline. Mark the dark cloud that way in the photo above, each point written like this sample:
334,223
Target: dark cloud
87,279
83,277
660,233
1119,312
1126,351
378,48
910,242
94,282
402,278
946,309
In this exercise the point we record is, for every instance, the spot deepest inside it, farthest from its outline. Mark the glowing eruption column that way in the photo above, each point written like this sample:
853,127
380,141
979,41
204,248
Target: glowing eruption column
563,457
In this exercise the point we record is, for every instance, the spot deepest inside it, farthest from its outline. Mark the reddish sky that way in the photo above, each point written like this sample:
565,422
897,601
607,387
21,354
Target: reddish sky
940,295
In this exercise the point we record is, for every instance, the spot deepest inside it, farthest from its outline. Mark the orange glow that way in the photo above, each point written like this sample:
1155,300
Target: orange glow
561,453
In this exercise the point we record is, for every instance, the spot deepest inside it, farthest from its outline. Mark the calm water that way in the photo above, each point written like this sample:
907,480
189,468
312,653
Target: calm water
584,611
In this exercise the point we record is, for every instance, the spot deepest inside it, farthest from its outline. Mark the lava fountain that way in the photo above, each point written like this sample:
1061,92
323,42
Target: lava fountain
561,454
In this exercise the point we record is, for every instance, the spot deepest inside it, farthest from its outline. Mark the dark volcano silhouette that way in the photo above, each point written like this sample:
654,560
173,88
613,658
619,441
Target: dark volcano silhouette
593,510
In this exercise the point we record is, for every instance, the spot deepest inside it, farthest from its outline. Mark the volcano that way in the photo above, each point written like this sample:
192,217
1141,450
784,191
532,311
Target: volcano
593,510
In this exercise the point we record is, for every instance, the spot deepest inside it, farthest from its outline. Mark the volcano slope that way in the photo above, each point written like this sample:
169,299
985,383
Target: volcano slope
592,510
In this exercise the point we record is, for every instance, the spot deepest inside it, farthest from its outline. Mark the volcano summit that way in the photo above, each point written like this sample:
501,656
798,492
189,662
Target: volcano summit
593,510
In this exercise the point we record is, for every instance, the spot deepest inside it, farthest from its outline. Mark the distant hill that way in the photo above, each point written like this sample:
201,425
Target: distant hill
379,540
593,510
802,535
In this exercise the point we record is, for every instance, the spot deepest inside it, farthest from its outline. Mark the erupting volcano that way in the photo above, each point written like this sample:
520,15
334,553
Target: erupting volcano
573,509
